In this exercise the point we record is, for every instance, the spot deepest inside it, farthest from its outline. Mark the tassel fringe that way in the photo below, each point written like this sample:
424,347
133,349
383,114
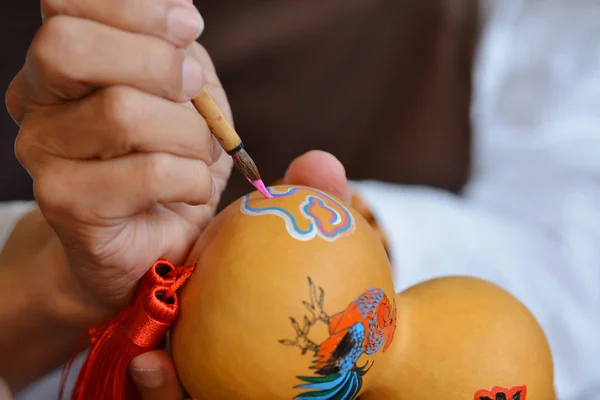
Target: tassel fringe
141,327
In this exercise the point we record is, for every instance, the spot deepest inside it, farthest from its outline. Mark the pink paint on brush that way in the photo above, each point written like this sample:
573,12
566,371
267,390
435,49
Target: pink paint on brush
260,186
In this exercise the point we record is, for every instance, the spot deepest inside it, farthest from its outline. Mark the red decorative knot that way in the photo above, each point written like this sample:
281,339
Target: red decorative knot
141,327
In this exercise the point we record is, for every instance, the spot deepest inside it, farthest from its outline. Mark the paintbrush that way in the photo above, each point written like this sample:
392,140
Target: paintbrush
229,140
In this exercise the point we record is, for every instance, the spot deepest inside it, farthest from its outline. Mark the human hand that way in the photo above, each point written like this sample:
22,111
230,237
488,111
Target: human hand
154,372
123,171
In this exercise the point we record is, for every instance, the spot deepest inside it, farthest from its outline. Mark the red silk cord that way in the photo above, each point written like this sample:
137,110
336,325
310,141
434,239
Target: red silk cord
142,326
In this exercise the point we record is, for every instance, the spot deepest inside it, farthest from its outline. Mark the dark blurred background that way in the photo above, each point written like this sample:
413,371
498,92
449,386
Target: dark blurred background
382,84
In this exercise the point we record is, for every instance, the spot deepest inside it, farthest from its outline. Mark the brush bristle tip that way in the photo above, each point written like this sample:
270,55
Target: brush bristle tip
260,186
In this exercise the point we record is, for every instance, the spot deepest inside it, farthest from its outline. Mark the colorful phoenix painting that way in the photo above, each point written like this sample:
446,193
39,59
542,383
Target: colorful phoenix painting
366,326
498,393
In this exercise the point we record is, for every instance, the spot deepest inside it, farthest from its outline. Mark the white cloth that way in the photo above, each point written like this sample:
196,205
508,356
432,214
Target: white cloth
529,219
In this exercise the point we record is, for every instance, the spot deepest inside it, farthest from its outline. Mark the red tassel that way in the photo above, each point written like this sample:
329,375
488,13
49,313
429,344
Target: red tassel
139,328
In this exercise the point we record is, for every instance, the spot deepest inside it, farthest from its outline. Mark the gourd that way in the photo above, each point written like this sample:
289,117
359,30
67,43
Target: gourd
292,297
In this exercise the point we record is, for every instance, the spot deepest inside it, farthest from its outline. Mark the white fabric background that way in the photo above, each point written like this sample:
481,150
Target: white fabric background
529,219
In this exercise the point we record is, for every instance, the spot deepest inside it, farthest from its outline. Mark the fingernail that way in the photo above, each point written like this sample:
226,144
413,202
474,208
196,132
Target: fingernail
148,377
215,150
185,23
193,77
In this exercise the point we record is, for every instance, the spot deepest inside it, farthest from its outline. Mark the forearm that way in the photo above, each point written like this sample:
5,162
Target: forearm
39,323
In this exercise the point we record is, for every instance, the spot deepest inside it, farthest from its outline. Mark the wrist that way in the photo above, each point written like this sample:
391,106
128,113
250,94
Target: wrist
34,263
42,323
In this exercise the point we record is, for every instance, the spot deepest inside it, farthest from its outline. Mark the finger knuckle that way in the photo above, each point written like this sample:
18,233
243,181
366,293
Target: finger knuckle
195,182
23,147
14,98
120,111
155,172
48,194
57,46
164,61
201,191
203,56
26,146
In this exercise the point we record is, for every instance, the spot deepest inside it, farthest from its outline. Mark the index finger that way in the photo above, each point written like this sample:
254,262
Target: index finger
176,21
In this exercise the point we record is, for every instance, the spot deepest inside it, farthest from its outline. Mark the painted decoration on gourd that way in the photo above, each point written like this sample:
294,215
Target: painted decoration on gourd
498,393
318,214
366,326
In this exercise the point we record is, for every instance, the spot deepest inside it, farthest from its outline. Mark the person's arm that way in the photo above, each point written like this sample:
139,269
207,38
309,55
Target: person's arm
39,324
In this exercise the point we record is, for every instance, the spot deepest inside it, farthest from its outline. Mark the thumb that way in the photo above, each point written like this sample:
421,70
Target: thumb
155,376
319,170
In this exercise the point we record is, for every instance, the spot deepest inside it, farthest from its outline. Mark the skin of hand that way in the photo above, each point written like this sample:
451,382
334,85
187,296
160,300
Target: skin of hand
154,372
124,170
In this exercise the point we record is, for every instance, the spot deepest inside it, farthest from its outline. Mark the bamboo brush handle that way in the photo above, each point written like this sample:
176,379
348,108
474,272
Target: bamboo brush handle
217,122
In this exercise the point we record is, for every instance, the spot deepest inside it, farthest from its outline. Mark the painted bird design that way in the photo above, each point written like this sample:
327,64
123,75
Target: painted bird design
366,326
